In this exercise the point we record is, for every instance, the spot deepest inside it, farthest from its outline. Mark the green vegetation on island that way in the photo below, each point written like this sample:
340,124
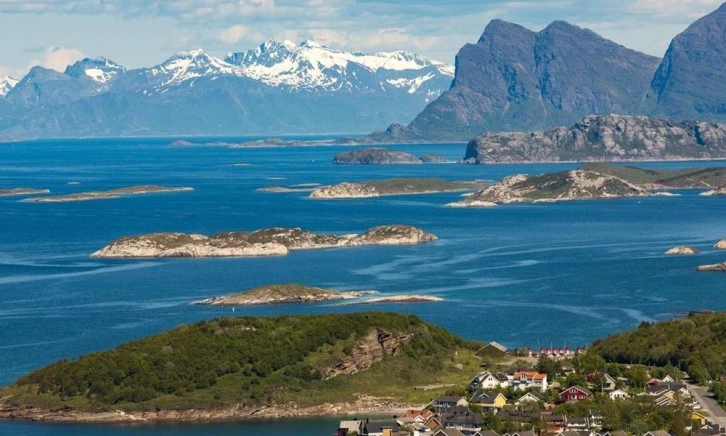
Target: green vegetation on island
696,344
248,362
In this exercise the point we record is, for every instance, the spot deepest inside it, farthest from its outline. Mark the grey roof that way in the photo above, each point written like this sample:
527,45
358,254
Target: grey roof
501,376
351,426
376,426
488,433
449,432
577,420
448,399
535,394
485,397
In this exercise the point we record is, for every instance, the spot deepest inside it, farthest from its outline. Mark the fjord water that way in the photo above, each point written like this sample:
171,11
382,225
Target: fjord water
524,275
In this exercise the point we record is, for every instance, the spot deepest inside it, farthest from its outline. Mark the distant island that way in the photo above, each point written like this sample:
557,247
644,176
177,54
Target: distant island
383,156
718,267
262,143
412,298
593,181
22,191
281,294
397,186
682,250
106,195
275,241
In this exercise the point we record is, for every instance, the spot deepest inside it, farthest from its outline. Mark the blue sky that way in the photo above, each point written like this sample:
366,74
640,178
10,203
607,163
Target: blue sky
138,33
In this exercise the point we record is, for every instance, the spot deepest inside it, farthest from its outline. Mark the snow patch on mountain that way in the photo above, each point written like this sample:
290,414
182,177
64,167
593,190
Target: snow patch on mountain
6,84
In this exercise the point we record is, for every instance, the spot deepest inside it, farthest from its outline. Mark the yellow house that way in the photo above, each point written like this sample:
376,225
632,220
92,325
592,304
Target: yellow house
489,400
702,420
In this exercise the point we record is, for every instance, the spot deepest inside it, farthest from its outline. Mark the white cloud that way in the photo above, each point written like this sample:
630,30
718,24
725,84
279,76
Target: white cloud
233,35
58,58
692,8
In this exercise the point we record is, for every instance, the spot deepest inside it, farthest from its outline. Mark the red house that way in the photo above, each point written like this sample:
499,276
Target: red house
574,393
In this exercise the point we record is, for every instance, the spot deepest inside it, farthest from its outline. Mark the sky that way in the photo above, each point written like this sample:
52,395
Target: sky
138,33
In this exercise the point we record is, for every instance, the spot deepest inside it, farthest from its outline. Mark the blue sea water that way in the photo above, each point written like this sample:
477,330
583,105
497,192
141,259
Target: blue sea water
524,275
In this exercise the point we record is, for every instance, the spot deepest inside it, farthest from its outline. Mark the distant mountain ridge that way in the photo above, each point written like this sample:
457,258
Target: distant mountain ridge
514,79
278,87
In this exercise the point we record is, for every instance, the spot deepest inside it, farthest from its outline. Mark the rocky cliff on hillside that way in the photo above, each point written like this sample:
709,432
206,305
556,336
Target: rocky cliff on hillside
603,138
514,79
690,82
372,348
566,185
274,241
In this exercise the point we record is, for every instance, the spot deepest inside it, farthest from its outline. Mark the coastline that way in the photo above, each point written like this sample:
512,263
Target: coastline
363,406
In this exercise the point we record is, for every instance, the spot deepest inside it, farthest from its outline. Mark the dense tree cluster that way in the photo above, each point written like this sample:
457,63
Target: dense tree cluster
194,357
696,344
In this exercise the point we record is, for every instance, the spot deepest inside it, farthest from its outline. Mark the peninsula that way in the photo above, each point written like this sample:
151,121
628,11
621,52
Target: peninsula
398,186
275,241
280,294
12,192
251,367
383,156
106,195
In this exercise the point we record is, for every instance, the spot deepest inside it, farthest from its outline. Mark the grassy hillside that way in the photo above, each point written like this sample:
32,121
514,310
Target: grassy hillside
686,178
252,361
697,343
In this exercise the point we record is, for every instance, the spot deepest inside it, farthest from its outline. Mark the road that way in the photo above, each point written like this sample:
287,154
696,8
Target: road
708,404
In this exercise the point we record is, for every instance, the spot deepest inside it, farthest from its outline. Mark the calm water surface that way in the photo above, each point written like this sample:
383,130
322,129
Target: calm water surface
560,274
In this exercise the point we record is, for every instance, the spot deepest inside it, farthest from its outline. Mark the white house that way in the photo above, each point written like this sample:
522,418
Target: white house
618,394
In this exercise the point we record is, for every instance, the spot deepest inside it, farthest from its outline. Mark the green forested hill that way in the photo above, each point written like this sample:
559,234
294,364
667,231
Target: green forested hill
696,343
251,361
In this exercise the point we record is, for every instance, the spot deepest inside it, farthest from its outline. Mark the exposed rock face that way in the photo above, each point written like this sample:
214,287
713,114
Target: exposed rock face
370,349
682,250
603,138
375,156
567,185
690,82
515,79
719,267
274,241
345,190
279,294
713,192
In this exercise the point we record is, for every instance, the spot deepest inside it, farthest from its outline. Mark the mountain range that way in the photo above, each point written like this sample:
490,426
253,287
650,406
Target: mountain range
278,87
514,79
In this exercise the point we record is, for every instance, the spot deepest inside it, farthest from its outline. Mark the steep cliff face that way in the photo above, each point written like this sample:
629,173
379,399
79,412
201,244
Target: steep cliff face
691,80
372,348
517,79
603,138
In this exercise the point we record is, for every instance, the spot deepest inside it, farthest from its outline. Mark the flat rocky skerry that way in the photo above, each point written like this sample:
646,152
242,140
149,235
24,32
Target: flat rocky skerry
12,192
282,294
397,186
275,241
109,194
383,156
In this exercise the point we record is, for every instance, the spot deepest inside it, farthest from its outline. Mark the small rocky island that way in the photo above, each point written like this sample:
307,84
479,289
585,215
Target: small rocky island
276,241
682,250
566,185
399,186
383,156
110,194
403,299
280,294
715,192
718,267
720,245
12,192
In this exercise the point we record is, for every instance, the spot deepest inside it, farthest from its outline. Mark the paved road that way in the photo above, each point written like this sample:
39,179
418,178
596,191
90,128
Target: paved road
715,412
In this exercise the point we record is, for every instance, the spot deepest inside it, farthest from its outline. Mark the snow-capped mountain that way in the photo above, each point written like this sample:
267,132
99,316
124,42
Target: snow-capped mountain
310,65
100,70
6,84
277,88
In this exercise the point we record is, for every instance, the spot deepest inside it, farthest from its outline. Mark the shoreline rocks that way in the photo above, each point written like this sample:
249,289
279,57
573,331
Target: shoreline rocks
714,192
682,250
110,194
403,299
276,241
